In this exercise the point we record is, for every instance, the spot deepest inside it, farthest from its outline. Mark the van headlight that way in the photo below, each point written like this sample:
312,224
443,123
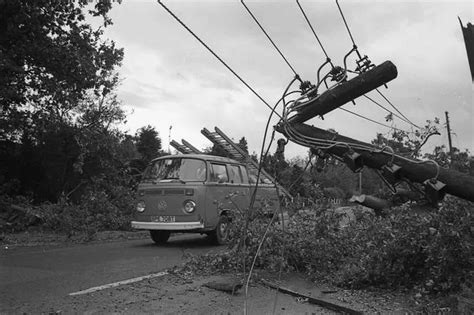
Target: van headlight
189,206
141,206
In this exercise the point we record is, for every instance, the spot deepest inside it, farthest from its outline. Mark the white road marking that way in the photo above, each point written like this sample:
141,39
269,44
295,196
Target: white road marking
116,284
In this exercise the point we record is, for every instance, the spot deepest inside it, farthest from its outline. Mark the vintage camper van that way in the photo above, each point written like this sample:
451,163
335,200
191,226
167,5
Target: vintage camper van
196,193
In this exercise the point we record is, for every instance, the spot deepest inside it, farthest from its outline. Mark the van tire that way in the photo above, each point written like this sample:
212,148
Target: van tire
159,237
220,236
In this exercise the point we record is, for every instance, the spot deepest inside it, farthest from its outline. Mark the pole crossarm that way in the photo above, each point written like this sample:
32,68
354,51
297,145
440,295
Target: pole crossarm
457,183
346,92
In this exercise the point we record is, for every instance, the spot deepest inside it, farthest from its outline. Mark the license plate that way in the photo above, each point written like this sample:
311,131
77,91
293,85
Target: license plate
163,218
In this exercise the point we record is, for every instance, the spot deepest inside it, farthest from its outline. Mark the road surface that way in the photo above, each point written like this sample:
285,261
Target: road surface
31,278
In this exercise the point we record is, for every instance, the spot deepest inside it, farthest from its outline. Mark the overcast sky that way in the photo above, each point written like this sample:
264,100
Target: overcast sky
169,79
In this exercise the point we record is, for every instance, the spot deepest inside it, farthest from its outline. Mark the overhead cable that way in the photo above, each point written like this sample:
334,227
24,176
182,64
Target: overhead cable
347,27
215,55
394,107
269,38
314,33
355,47
389,111
371,120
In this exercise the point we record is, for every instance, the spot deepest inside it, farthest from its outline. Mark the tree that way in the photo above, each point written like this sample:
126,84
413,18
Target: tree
458,160
216,150
50,57
58,106
408,143
148,143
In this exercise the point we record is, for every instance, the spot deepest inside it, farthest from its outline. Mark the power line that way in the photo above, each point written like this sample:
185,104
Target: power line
360,57
347,27
394,107
215,55
371,120
252,90
266,34
386,109
312,29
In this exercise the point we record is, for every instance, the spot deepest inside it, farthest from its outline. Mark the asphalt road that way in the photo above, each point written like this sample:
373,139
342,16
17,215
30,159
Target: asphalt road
33,277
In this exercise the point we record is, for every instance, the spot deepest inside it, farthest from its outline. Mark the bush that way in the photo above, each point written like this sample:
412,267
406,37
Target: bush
432,251
103,206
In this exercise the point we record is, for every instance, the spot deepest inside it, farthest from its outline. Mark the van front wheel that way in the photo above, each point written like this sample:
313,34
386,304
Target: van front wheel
220,235
159,237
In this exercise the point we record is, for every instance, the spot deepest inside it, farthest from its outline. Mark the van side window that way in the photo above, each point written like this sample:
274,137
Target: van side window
245,176
193,170
219,173
235,175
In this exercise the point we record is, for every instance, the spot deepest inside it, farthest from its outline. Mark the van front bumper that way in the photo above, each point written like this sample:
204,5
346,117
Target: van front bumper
179,226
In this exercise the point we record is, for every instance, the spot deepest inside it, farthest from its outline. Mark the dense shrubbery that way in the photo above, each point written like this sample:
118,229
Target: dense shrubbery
100,208
432,251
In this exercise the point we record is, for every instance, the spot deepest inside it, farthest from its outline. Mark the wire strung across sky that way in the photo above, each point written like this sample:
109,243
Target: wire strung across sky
347,27
389,111
355,47
215,55
371,120
296,75
378,91
314,33
402,117
269,38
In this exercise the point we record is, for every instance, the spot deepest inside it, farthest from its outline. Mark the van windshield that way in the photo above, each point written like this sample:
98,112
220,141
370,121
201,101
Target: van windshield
181,169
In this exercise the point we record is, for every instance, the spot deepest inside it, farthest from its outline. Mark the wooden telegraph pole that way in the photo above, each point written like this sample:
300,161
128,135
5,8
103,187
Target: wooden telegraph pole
449,135
457,184
437,180
346,92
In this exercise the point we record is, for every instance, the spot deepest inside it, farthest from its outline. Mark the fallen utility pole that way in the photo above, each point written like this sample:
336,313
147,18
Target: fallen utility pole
346,92
457,184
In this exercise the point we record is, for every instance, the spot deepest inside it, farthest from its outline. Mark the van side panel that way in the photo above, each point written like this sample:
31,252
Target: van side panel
225,197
